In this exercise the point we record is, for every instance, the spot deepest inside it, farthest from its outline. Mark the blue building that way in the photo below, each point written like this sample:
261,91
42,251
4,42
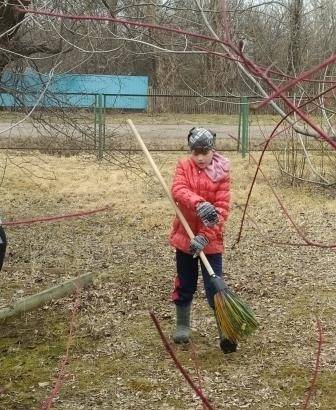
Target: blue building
73,90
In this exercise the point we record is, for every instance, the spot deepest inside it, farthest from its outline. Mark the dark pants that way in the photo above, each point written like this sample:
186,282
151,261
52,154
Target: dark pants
187,275
3,244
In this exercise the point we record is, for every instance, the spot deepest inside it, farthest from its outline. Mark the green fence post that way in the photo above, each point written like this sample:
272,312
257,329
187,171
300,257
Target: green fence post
100,127
243,132
104,123
95,121
239,127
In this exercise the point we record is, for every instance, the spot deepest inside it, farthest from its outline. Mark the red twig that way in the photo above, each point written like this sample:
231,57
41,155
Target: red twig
316,368
268,238
48,403
197,367
250,65
285,211
185,374
253,68
274,133
255,177
265,69
54,218
307,241
120,21
298,79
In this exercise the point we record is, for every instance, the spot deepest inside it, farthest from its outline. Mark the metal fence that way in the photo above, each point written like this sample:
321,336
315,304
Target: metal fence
189,102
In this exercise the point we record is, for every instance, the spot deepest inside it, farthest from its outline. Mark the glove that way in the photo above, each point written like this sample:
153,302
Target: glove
197,243
207,213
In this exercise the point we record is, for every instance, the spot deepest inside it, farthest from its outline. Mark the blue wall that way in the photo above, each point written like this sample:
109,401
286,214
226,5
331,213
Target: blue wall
76,90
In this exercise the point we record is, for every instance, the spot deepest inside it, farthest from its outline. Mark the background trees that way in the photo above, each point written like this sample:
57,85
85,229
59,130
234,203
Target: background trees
208,55
290,35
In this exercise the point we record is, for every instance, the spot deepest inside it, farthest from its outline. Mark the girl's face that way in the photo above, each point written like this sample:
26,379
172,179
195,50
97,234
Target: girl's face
202,157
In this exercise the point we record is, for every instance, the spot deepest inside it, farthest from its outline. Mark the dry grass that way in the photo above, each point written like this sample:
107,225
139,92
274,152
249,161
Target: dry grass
159,118
117,361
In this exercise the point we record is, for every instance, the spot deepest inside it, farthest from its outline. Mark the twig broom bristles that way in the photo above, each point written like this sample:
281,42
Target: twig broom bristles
235,319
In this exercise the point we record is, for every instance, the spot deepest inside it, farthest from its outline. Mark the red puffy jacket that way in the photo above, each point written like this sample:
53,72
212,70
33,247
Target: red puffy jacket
192,185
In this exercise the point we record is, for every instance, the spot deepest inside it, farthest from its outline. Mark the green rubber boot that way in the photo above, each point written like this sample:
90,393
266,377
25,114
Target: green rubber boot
182,331
225,344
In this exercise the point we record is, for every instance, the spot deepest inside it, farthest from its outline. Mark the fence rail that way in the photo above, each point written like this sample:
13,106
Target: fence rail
188,102
153,101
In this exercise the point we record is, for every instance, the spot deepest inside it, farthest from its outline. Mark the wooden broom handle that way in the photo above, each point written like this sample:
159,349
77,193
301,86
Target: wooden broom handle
163,183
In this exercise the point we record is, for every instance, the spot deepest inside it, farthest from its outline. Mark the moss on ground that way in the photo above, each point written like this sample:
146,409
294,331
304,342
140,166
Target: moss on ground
324,308
31,347
293,381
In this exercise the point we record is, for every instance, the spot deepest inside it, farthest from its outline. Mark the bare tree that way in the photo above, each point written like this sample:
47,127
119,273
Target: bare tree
295,34
233,46
16,43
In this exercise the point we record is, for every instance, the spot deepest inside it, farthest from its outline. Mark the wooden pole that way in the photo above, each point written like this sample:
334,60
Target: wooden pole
39,299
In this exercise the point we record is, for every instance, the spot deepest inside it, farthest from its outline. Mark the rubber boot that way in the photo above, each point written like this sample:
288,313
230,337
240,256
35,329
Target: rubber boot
225,344
182,331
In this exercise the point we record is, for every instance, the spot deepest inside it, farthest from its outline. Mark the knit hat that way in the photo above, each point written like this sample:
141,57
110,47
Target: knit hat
201,138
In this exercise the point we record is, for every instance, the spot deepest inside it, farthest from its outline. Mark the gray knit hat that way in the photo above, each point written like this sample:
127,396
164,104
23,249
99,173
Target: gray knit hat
201,138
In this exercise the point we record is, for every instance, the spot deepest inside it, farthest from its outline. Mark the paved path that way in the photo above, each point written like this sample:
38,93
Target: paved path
156,136
146,129
181,130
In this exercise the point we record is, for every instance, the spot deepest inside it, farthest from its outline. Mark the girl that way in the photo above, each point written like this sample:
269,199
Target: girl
201,189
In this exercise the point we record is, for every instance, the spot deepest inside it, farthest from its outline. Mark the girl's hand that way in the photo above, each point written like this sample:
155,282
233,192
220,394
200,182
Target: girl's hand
197,243
207,213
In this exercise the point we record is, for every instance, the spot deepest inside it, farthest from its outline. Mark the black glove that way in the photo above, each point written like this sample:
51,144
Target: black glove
207,213
197,243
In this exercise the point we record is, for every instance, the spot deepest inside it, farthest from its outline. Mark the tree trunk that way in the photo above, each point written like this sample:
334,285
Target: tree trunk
155,59
295,29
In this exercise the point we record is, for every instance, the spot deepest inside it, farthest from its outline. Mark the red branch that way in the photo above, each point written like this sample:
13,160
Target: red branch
268,238
48,403
274,133
307,241
266,69
296,80
120,21
185,374
317,366
54,218
146,25
250,65
285,211
254,69
197,367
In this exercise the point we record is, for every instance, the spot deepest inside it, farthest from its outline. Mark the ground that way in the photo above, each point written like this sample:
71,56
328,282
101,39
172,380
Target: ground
116,359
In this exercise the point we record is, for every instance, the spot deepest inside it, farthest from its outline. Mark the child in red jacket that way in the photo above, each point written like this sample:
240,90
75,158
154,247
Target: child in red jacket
201,189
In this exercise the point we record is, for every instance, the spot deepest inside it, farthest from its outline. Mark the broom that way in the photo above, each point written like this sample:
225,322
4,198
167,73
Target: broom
235,319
